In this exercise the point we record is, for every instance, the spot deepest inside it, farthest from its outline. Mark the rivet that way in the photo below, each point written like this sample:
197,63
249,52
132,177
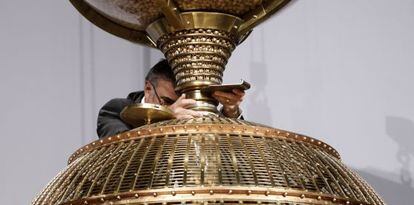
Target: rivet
173,193
312,140
161,129
155,194
118,197
347,202
319,197
285,194
255,16
267,193
110,138
211,192
136,195
102,199
118,136
249,192
334,199
287,134
85,202
87,147
193,193
230,191
302,196
93,143
149,130
139,132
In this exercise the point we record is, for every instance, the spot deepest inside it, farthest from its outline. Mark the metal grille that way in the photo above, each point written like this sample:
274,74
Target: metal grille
201,159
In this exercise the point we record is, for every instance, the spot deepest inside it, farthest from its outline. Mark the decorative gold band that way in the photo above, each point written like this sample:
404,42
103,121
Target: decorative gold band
216,195
205,125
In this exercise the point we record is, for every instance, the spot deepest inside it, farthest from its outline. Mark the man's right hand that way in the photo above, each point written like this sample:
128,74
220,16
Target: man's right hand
180,110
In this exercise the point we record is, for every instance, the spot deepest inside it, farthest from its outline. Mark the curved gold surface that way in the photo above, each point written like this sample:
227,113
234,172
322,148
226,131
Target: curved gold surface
145,113
110,26
207,160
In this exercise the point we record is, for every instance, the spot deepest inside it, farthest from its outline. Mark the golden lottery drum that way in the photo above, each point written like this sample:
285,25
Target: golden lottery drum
207,160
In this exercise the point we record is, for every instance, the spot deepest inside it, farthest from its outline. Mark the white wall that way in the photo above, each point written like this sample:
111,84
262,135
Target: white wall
56,71
340,71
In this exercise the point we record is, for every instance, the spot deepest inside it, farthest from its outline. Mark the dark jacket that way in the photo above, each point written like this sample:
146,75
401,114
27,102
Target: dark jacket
109,119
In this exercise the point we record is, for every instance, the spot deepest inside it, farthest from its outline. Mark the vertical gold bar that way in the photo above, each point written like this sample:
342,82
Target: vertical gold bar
128,164
171,161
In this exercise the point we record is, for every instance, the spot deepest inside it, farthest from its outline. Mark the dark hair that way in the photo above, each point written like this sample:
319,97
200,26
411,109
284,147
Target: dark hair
160,70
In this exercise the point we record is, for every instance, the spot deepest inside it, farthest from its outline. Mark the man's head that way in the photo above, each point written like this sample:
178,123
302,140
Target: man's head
160,84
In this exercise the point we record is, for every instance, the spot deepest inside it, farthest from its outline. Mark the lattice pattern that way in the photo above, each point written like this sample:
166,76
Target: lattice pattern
208,160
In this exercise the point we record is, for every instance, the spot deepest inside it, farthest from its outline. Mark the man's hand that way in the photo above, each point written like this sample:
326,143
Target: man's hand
180,110
230,101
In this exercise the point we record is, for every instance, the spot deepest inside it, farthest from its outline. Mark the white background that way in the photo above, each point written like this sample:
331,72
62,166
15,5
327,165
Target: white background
339,71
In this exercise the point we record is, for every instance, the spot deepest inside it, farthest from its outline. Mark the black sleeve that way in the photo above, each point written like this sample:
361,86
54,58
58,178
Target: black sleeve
109,120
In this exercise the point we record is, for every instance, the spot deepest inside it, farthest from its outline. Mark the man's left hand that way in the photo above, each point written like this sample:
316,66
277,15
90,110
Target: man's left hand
230,101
